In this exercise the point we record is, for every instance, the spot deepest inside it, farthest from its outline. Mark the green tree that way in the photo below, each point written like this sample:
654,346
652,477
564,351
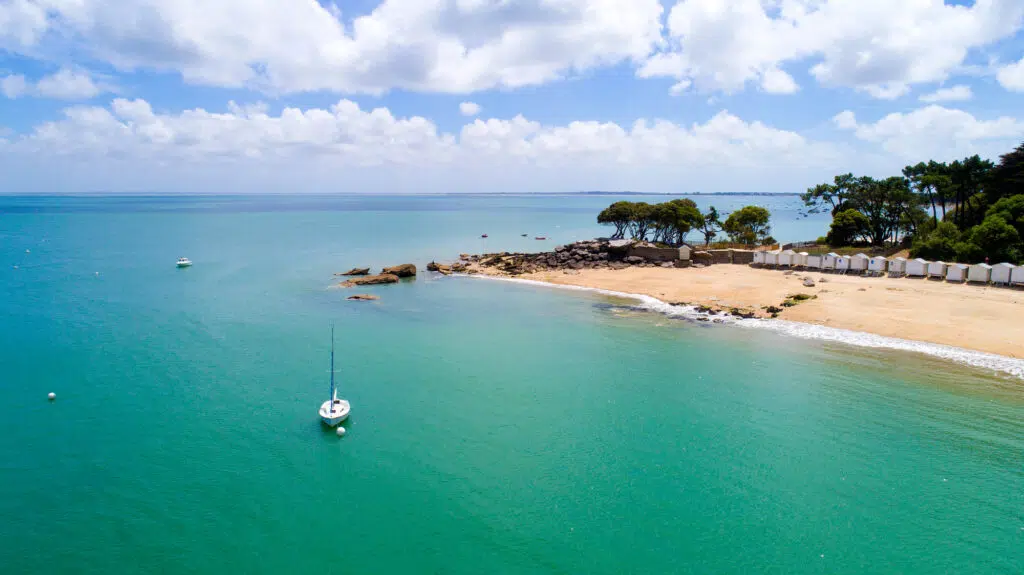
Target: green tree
847,227
710,225
619,215
1011,209
1007,178
748,225
996,239
968,177
940,244
640,220
673,220
829,196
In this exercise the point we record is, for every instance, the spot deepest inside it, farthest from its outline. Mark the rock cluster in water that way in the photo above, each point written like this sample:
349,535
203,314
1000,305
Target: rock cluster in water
593,254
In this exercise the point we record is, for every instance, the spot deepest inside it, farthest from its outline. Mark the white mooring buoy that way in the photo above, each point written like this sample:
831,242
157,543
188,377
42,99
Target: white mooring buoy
341,431
52,396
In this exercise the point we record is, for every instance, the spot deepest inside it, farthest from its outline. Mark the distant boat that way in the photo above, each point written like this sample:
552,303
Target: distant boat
334,410
484,236
184,262
540,238
524,235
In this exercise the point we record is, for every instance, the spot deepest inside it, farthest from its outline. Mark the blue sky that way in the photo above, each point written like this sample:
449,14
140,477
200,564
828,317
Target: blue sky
671,96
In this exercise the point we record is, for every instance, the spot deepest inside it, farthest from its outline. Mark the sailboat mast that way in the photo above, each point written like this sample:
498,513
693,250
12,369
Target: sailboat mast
332,367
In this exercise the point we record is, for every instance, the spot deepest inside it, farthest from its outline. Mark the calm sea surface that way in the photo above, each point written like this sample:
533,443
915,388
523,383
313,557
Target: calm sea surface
496,427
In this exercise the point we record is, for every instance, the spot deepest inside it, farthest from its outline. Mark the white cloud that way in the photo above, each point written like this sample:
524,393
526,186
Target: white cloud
345,147
880,47
65,84
1011,77
959,93
936,132
13,86
469,108
284,46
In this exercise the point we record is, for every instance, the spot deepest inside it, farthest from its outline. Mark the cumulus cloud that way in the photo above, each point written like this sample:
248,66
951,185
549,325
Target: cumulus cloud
879,47
1011,77
936,132
247,145
64,84
959,93
285,46
469,108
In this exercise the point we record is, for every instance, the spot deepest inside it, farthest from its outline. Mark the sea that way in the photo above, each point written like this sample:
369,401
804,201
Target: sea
497,427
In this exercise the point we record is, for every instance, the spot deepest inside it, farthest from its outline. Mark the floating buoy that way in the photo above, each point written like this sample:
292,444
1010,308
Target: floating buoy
27,252
341,431
52,396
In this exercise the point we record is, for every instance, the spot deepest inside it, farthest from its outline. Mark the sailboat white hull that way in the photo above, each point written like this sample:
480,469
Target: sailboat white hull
334,415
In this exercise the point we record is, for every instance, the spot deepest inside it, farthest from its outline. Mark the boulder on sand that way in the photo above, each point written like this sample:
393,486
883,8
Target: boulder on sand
363,297
370,280
402,271
355,272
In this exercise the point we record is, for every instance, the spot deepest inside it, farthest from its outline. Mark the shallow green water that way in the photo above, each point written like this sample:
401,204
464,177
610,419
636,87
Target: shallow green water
496,428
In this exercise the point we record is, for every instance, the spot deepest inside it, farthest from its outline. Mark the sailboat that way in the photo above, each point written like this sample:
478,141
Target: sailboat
334,410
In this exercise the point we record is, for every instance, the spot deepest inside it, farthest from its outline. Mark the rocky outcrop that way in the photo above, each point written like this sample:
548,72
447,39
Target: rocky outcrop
442,269
363,297
355,272
370,280
402,271
595,254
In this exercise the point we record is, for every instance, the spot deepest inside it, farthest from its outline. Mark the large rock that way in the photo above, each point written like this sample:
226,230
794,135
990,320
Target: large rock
370,280
355,272
402,271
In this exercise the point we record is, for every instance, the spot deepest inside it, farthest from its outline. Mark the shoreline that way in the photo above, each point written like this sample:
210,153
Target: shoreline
1005,364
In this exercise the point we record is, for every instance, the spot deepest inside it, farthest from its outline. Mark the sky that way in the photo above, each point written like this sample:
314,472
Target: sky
408,96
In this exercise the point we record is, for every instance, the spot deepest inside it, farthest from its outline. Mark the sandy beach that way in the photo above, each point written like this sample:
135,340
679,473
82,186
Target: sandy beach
979,318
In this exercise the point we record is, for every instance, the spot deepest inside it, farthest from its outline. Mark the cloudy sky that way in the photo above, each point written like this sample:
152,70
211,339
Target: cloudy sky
498,95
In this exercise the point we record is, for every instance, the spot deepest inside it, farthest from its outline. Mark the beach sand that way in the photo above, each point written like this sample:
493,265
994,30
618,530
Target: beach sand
979,318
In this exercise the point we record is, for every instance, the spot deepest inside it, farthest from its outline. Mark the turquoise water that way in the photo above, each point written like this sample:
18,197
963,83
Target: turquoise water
496,428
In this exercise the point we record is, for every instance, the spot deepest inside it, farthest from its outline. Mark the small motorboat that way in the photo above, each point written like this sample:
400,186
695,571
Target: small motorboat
484,236
524,235
184,262
540,238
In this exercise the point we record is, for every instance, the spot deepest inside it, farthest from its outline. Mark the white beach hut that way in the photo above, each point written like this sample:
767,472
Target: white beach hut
771,258
918,268
957,272
842,264
801,259
1001,273
937,269
859,263
1017,276
828,261
786,258
979,273
897,267
878,265
814,262
758,258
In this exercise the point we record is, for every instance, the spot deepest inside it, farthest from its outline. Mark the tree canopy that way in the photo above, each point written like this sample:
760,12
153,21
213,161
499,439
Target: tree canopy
670,222
962,209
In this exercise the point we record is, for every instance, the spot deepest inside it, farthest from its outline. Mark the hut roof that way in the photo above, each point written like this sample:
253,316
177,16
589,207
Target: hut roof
986,266
921,260
1005,265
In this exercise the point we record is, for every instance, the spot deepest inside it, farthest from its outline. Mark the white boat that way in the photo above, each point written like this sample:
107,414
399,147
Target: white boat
184,262
334,411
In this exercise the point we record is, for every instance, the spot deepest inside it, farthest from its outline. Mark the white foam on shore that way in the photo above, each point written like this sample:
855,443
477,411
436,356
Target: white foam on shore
991,361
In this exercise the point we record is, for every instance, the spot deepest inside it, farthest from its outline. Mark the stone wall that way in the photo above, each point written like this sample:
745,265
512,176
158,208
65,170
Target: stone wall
656,254
742,257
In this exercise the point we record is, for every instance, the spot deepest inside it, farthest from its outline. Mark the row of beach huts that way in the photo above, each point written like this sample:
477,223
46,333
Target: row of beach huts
999,274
